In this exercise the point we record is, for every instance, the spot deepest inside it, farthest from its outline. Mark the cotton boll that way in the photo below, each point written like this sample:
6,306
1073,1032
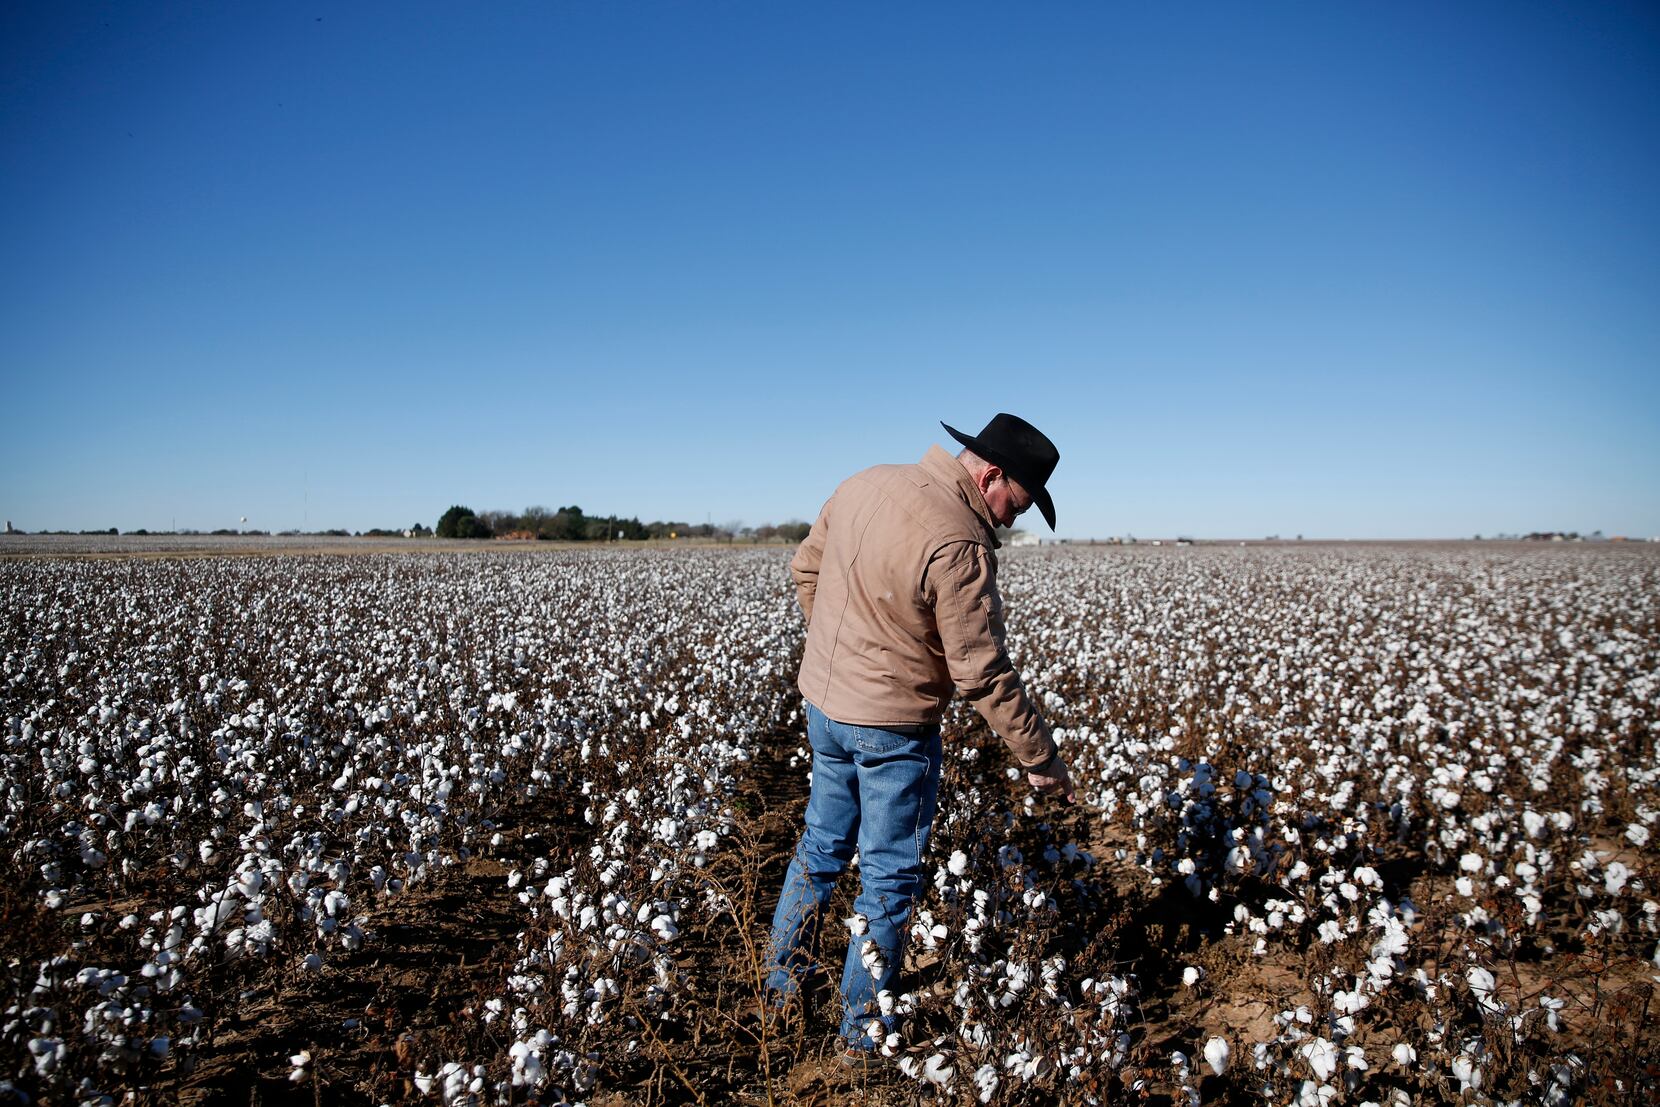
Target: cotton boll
1322,1057
985,1081
936,1070
1467,1072
1482,984
454,1080
1216,1055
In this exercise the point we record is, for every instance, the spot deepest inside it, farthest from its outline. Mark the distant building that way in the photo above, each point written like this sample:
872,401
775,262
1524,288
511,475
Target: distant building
9,529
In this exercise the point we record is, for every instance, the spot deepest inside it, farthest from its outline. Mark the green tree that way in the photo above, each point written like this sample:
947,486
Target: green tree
462,522
565,525
471,526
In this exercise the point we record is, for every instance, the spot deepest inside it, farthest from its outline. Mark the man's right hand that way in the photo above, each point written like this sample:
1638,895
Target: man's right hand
1054,779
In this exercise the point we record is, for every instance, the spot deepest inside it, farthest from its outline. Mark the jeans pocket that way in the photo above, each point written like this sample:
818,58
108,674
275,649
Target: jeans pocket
870,739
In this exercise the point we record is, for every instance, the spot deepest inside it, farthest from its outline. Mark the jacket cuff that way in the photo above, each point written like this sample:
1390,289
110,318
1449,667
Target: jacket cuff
1046,767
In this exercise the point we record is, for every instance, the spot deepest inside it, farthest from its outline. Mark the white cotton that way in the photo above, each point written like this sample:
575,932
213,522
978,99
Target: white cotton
1322,1057
1482,984
1466,1072
1404,1054
958,865
48,1054
985,1080
1190,976
1216,1055
1347,1003
937,1071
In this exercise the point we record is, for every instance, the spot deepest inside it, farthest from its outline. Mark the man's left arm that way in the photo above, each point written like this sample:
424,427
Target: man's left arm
969,614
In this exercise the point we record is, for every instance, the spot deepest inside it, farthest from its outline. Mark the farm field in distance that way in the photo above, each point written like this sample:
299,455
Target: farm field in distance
1357,823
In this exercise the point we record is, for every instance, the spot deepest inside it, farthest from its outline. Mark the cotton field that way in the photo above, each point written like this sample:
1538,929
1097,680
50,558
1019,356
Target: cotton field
1369,823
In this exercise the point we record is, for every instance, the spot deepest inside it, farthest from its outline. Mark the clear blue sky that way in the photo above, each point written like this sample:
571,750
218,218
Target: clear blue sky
1382,270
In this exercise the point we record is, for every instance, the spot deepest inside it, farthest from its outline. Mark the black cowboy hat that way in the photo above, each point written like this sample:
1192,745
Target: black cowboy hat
1020,450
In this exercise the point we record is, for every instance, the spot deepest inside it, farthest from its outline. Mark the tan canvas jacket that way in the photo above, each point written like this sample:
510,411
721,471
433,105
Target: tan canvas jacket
898,582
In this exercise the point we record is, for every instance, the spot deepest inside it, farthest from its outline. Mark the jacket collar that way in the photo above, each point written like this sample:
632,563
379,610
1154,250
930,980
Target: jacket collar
950,471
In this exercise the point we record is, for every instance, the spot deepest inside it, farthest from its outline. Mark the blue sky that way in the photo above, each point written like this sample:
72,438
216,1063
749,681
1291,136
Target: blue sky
1340,270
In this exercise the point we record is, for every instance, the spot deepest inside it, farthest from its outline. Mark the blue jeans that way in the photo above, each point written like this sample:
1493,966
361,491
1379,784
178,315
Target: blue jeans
875,789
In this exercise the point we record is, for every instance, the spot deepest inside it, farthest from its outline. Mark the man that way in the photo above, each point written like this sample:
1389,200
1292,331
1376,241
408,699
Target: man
898,583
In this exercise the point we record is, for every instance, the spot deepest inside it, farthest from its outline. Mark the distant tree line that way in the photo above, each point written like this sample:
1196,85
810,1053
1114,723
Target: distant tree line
567,524
572,524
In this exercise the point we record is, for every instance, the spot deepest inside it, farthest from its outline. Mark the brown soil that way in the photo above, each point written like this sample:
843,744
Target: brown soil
366,1020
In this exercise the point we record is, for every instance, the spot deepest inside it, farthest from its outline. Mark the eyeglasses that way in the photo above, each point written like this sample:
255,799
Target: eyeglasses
1016,492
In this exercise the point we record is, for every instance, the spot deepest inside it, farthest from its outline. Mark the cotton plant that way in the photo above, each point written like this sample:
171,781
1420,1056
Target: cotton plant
363,760
313,738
